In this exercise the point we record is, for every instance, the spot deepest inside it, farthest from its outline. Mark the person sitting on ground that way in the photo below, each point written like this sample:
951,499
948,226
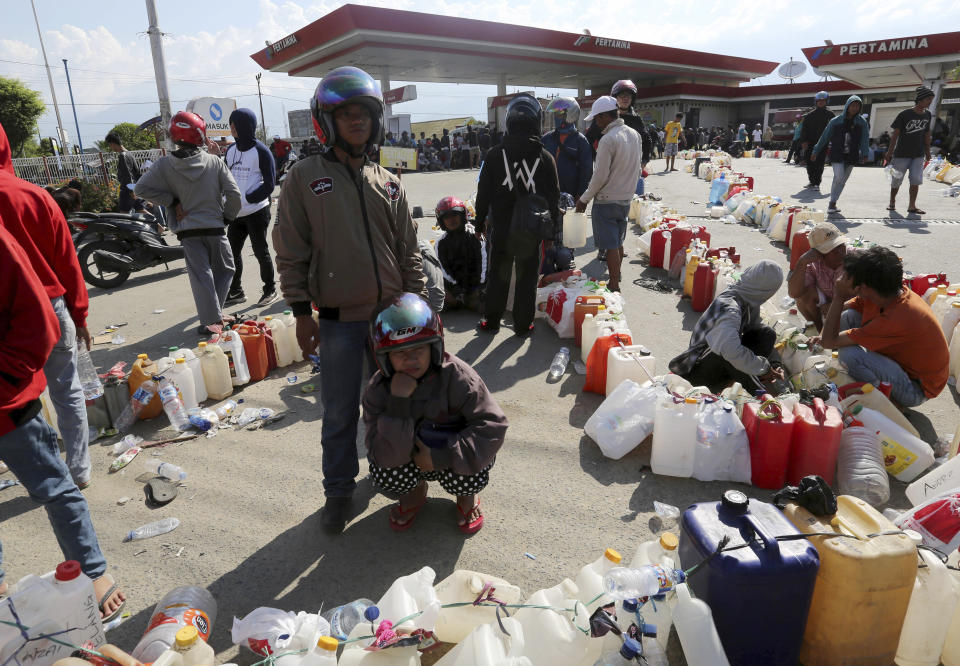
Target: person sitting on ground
429,416
811,281
433,272
557,265
886,333
729,343
460,256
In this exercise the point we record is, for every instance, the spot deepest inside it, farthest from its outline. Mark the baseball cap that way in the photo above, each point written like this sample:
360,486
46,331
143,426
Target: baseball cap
602,105
825,237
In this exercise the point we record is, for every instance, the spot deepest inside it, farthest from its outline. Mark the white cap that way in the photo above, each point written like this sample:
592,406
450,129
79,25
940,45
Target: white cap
602,105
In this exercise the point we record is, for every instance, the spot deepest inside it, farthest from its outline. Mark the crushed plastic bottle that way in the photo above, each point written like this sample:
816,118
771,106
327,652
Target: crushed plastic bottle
140,399
251,414
89,380
559,364
153,529
291,378
165,469
226,409
666,511
646,581
127,442
202,418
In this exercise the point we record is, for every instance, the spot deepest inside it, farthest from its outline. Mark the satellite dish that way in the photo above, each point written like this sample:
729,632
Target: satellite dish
820,73
791,70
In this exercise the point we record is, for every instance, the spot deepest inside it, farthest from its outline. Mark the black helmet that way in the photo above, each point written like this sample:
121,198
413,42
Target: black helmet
524,114
342,86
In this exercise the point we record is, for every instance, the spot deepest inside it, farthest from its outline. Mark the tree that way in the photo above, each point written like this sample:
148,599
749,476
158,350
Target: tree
20,108
131,137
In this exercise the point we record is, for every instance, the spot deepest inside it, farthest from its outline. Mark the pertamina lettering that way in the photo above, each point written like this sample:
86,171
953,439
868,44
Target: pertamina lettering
884,46
286,42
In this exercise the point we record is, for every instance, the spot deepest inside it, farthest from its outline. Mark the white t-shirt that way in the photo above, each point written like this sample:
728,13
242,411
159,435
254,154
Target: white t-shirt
757,135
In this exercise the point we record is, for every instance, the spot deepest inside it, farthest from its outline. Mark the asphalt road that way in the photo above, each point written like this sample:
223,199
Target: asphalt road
249,510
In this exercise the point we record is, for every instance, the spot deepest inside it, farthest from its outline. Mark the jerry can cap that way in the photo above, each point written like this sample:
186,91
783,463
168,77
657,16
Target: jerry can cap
735,500
669,541
612,555
67,570
180,360
142,356
328,643
867,388
187,636
201,344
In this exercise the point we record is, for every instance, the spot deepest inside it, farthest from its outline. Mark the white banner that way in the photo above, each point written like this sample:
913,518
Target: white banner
215,111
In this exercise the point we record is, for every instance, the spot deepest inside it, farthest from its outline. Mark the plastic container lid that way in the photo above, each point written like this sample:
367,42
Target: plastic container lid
201,345
955,304
288,312
691,401
328,643
173,348
142,356
612,555
835,354
735,499
669,541
267,318
187,636
371,613
867,388
180,360
67,570
630,648
802,345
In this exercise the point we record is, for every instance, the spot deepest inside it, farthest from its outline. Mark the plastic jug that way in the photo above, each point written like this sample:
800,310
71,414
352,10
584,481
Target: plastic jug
954,358
402,656
582,306
795,355
778,226
282,341
950,320
864,585
697,631
232,346
254,351
662,552
932,606
770,431
216,371
930,295
549,637
290,326
658,247
942,302
798,246
718,188
878,402
180,607
182,377
759,594
951,647
589,580
58,601
454,624
691,268
268,342
192,649
860,468
142,370
574,229
704,286
816,442
596,381
602,323
409,595
625,418
487,645
631,362
674,437
905,456
722,448
814,372
199,385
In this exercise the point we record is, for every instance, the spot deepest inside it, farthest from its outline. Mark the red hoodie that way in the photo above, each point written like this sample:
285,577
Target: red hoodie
31,215
28,330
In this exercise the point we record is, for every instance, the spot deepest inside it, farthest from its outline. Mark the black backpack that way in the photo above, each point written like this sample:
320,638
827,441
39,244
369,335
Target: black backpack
531,214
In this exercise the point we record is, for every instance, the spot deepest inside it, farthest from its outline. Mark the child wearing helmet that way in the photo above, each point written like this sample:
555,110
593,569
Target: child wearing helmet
460,256
428,415
202,191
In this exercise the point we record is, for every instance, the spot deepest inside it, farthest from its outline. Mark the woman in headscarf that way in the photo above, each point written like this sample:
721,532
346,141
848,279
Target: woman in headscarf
729,343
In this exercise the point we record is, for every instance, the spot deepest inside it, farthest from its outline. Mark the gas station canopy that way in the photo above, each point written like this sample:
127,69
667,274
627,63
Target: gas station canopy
413,46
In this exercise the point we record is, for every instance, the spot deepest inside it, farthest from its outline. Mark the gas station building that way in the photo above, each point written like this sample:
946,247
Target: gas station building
416,47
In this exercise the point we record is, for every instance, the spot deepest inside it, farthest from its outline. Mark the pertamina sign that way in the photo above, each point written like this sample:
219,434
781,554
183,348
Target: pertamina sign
584,40
215,111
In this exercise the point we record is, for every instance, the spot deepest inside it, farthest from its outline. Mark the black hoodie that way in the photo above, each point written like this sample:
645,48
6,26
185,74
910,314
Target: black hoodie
526,156
256,184
813,125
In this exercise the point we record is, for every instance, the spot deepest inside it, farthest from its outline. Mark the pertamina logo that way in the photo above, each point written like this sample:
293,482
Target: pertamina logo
404,333
602,41
321,186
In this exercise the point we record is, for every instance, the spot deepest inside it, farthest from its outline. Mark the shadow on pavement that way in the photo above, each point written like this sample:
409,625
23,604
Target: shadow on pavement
17,506
138,279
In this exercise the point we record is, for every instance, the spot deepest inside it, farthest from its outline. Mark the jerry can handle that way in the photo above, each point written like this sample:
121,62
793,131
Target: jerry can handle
770,409
819,411
770,544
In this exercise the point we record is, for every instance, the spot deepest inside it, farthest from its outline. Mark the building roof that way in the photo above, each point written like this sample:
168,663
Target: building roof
744,93
414,46
431,127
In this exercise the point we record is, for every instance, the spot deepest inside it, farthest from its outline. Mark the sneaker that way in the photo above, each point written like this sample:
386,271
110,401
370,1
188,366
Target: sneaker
268,298
485,326
334,516
524,332
235,297
602,255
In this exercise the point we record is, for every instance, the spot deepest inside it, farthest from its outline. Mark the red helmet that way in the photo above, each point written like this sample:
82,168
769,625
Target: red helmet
187,127
450,205
623,85
406,320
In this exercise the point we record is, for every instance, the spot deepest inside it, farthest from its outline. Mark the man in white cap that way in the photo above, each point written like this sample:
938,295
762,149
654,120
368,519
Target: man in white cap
812,280
616,170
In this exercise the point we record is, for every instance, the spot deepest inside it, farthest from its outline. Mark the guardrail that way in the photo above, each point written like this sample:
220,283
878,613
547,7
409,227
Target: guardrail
98,167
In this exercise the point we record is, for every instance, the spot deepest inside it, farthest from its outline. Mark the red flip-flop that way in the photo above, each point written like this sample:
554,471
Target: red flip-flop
470,527
398,513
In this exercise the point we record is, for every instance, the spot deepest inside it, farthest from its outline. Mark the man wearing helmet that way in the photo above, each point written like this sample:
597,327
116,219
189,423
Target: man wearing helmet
202,190
570,148
345,241
813,125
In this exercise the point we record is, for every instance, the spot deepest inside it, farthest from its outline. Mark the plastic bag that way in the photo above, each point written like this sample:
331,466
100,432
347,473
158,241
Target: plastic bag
625,418
937,520
268,631
559,310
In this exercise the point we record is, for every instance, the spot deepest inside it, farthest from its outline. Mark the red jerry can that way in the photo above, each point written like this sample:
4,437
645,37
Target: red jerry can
920,283
704,282
816,441
680,238
801,243
770,431
268,336
658,245
597,361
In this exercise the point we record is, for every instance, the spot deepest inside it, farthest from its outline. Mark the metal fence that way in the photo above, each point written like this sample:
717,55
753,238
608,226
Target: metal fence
97,167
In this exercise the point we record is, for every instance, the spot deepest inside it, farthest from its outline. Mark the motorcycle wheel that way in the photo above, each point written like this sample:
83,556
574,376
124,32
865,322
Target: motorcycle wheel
92,273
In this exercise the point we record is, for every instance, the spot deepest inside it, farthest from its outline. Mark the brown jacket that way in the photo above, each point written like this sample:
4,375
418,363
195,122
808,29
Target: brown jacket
341,252
450,394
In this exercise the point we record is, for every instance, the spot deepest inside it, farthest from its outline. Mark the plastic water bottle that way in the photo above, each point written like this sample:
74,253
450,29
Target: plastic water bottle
153,529
173,405
860,468
140,399
89,380
225,410
344,618
180,607
127,442
165,469
626,583
627,654
559,364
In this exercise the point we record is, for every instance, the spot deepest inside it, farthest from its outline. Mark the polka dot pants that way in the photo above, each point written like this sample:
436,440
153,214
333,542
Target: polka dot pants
401,480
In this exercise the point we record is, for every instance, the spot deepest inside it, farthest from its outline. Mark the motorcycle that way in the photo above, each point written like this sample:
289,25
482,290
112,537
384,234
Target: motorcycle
111,246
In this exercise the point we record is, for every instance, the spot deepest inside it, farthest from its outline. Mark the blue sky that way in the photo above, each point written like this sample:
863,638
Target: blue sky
208,45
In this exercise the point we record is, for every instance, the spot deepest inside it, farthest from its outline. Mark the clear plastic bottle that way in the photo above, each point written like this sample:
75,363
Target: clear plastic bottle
646,581
173,405
140,399
559,364
860,467
192,649
127,442
324,654
180,607
153,529
165,469
344,618
89,380
225,410
626,655
696,630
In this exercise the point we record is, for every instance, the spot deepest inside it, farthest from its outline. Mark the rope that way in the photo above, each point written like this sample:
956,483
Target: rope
27,638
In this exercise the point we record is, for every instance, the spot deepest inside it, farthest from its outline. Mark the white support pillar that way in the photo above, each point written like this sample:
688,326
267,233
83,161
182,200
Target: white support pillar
502,85
384,87
581,93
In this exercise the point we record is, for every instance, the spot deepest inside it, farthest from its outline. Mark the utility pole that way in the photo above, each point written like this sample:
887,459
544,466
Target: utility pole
263,119
75,121
53,93
159,66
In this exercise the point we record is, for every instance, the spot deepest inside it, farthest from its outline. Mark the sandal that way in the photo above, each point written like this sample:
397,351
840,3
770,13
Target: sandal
398,513
109,593
469,527
891,207
916,211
